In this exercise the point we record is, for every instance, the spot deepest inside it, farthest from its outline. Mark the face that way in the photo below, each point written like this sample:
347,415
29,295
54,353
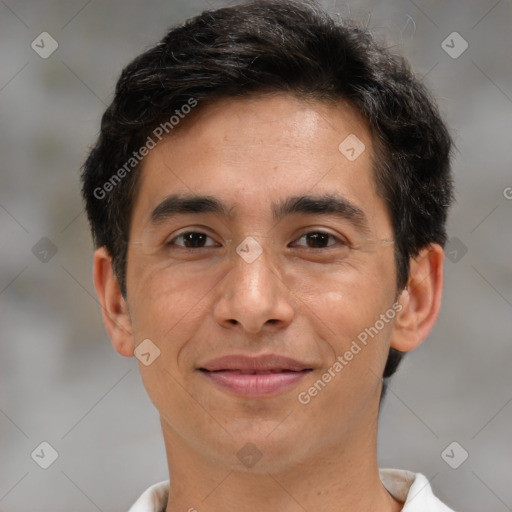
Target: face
257,239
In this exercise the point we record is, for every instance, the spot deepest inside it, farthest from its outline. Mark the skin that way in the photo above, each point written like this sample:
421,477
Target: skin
296,299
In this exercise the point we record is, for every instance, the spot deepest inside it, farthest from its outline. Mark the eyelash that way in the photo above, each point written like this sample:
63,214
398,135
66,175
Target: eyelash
339,240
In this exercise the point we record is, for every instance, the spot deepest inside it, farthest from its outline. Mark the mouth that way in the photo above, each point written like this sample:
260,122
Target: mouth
255,372
255,377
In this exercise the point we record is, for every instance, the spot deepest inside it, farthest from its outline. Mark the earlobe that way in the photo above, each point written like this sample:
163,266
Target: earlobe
420,301
116,315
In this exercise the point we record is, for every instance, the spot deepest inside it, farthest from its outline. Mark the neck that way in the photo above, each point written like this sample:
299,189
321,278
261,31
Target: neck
342,477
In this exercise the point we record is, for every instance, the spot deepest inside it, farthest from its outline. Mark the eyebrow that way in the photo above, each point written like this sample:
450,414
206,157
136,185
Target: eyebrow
325,204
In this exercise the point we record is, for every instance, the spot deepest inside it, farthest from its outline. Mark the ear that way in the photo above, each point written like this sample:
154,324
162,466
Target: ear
421,299
116,316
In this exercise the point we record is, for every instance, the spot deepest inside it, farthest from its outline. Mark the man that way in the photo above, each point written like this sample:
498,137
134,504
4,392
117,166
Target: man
268,198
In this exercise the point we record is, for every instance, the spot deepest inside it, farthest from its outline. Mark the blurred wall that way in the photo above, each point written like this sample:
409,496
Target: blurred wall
61,382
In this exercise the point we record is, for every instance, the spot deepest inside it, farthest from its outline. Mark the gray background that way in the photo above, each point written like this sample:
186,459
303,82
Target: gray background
61,380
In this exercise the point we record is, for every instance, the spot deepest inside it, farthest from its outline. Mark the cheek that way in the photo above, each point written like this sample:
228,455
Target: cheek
345,298
167,305
165,299
344,307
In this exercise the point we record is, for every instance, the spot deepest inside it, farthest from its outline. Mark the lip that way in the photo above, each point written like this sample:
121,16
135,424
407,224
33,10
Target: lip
260,376
261,363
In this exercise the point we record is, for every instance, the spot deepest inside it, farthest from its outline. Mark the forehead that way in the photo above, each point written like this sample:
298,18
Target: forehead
255,152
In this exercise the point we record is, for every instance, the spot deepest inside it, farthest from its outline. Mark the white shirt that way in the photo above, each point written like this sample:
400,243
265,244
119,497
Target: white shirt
411,488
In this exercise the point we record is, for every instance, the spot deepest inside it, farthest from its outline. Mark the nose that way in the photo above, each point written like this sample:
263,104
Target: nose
253,295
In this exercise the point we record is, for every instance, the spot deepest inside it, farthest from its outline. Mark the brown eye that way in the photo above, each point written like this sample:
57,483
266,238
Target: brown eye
191,240
319,240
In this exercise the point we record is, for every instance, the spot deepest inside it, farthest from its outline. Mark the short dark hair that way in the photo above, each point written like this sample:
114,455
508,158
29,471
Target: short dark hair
267,46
